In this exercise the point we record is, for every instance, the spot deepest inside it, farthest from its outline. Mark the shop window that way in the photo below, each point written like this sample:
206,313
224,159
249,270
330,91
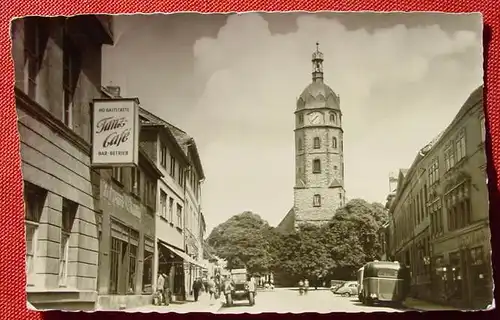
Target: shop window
69,209
34,201
123,259
456,276
479,273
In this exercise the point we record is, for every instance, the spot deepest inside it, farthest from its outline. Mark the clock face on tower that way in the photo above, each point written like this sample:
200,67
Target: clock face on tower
315,118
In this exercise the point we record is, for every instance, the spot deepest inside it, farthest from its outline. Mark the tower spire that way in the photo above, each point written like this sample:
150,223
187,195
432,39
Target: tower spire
317,64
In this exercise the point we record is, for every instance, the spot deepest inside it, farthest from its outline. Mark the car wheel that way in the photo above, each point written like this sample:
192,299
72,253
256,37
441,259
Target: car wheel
345,294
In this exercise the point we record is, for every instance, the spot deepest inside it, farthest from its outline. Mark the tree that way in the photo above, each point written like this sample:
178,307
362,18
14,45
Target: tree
241,242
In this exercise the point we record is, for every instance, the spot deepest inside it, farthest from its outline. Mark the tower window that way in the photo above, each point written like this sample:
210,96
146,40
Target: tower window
316,166
334,143
317,143
301,119
340,196
332,117
317,200
300,146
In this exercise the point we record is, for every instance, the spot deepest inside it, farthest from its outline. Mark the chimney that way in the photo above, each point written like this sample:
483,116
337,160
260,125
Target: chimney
113,90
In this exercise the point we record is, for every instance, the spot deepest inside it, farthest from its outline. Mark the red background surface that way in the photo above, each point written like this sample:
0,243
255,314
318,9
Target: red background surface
12,249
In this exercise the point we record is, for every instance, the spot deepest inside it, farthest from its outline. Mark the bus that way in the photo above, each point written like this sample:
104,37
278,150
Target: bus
385,281
360,283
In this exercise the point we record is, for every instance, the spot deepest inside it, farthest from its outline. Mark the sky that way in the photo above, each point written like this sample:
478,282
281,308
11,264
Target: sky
232,82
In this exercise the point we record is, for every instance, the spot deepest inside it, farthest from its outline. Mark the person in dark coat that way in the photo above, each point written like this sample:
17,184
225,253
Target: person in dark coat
197,286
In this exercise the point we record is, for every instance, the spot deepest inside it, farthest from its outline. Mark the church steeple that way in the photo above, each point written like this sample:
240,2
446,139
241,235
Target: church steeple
317,64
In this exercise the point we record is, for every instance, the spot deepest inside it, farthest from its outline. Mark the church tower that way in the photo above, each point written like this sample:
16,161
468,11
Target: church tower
319,159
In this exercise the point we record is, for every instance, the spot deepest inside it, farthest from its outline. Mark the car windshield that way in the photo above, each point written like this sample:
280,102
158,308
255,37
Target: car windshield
239,277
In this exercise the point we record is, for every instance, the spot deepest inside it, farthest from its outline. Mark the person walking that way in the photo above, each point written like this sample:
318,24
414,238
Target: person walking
197,286
301,287
306,286
163,288
211,288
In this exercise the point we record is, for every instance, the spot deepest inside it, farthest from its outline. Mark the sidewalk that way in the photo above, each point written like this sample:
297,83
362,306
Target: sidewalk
204,304
421,305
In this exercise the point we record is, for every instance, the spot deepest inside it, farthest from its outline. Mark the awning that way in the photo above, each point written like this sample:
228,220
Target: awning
182,254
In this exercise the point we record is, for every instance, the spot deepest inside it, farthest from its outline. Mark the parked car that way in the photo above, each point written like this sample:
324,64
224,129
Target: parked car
335,284
349,288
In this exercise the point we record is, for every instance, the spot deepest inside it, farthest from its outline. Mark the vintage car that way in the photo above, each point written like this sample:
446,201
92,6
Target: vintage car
349,288
239,289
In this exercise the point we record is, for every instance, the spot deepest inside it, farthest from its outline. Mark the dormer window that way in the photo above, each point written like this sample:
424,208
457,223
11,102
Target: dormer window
317,143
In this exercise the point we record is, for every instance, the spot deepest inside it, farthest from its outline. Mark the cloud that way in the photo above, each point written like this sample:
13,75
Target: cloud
398,88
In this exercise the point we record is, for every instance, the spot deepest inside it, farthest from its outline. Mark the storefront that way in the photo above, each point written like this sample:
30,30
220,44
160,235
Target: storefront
126,249
462,274
180,268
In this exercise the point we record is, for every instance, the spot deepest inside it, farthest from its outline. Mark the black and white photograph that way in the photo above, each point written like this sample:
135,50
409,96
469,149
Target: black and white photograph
257,162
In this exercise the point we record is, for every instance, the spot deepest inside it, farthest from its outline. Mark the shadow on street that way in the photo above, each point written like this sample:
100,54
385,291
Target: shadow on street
358,303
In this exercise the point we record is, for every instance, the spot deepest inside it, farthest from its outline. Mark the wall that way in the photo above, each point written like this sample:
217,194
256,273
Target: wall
56,158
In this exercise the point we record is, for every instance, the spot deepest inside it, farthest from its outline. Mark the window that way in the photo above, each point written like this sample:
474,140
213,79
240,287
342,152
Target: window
483,129
316,166
299,145
69,209
179,216
149,193
136,181
71,73
163,204
317,200
301,119
163,156
34,200
171,210
317,143
332,118
434,171
172,166
460,144
479,273
458,208
180,176
147,274
340,195
334,143
117,174
123,259
35,36
449,157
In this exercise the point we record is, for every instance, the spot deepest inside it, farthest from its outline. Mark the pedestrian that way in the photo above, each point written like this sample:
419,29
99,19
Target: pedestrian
306,286
159,296
197,285
301,287
205,284
211,287
163,288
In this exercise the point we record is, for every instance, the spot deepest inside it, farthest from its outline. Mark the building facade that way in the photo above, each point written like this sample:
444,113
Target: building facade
179,250
126,233
57,72
319,160
441,214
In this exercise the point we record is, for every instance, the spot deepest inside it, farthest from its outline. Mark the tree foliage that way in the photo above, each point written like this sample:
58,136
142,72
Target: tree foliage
335,250
242,243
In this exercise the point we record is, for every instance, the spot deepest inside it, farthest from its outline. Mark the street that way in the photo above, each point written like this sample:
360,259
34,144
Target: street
289,300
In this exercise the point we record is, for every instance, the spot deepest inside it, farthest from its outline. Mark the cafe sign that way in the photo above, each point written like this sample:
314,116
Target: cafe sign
115,132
